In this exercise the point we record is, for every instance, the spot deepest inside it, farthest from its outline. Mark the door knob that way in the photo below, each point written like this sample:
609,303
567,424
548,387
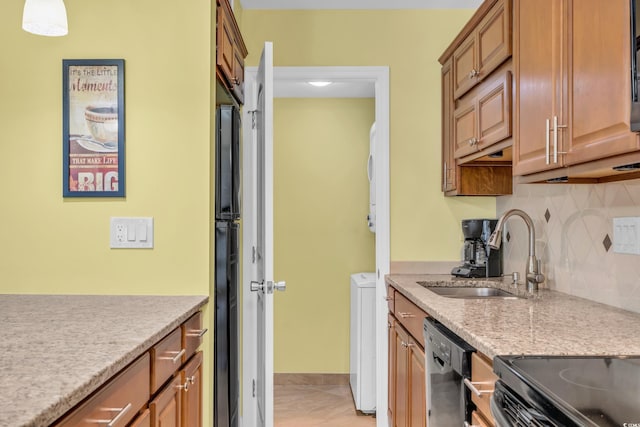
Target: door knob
268,286
280,286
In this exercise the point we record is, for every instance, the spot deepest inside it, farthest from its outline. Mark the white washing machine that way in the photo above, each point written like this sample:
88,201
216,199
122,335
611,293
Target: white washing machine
362,357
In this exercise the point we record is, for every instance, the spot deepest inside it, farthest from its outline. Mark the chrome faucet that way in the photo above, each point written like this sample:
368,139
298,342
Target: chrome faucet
533,268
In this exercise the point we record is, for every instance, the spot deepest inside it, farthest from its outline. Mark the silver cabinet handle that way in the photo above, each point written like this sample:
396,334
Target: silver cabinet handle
406,315
407,344
175,359
197,333
388,298
472,386
114,420
472,141
444,180
466,424
473,73
547,144
555,138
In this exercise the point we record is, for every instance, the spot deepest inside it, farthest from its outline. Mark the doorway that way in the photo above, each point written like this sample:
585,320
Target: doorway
347,79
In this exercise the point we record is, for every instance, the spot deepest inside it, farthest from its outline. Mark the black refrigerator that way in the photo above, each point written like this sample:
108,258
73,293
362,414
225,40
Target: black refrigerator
227,213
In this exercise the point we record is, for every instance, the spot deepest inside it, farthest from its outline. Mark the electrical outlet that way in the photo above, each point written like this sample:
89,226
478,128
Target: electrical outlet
131,232
626,235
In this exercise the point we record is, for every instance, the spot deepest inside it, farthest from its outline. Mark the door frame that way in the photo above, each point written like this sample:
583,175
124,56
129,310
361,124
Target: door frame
379,77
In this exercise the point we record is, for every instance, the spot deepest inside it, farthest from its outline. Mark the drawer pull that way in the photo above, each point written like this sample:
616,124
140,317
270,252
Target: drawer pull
406,315
388,298
114,420
407,344
472,386
175,359
197,333
192,379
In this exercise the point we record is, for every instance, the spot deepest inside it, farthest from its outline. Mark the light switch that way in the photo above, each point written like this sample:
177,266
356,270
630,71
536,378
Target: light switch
131,232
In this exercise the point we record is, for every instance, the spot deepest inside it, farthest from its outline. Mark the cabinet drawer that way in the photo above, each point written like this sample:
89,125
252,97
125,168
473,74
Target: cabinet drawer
483,379
118,401
410,316
166,358
478,420
192,334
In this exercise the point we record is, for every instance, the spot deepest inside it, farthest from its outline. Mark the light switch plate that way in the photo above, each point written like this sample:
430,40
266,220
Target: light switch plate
626,235
131,232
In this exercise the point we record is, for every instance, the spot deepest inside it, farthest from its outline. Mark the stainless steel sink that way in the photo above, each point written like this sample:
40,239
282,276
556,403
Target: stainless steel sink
469,292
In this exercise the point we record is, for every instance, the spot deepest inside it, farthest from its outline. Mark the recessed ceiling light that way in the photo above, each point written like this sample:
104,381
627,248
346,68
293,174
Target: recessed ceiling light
320,84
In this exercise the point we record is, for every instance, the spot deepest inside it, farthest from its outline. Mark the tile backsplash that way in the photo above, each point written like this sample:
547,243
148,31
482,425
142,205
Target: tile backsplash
574,235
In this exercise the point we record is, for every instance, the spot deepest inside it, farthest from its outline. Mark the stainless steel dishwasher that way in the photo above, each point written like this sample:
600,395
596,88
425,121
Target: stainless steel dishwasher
448,362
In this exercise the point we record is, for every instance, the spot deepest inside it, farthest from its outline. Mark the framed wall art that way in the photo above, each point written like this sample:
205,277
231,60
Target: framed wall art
93,127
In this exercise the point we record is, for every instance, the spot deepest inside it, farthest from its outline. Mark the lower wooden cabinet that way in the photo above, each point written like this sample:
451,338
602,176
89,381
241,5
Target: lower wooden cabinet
407,386
157,389
166,407
192,393
483,381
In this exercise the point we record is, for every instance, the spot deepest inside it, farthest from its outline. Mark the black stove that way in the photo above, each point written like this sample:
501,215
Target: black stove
567,391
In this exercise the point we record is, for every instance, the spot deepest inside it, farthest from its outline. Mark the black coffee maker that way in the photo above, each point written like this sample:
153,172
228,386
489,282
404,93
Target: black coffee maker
479,260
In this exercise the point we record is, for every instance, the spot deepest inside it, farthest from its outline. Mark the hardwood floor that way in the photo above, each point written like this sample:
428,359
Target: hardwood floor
317,406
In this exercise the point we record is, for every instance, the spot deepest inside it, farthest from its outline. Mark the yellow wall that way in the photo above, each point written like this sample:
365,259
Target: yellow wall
49,244
424,224
321,200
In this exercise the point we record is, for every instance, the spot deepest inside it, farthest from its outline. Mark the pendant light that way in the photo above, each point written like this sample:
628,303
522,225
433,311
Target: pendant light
45,17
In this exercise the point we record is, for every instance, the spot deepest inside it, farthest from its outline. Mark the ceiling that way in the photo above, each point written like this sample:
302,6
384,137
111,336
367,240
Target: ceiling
360,4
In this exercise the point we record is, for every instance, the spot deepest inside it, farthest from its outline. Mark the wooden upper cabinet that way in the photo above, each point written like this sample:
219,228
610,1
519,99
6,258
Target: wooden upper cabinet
230,51
483,119
477,105
572,62
488,46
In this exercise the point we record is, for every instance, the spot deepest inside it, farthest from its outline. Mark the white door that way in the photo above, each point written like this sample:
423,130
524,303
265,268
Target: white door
262,283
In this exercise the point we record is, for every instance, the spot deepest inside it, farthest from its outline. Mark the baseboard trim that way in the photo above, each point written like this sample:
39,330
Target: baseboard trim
310,379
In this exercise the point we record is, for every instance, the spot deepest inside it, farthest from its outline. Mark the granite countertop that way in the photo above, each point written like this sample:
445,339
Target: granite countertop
58,349
549,323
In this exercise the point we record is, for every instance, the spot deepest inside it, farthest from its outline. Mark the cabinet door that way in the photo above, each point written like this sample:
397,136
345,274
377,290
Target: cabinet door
224,50
165,408
192,392
417,387
494,38
448,159
391,395
600,87
401,416
494,110
541,80
465,131
464,66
